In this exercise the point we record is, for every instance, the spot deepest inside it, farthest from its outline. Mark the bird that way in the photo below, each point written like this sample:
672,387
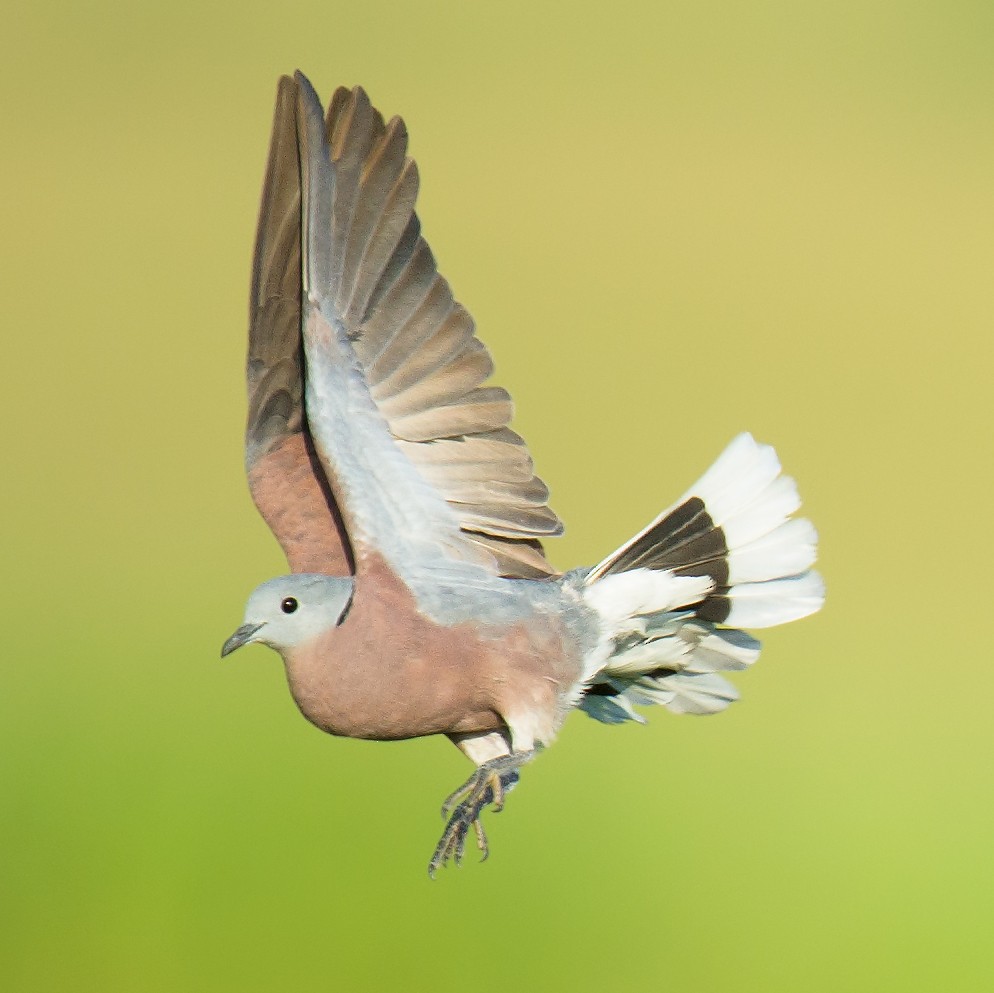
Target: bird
419,599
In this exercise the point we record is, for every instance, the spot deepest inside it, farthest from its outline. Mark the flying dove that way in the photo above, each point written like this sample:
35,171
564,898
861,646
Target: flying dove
420,601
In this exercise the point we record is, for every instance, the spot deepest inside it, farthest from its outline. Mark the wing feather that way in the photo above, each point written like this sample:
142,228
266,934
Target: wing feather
285,478
482,410
452,338
442,386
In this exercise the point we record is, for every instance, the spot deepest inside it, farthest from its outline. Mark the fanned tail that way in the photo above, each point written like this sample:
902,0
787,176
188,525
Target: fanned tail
671,599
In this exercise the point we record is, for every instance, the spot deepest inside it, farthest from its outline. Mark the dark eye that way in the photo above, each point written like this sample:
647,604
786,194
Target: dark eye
289,605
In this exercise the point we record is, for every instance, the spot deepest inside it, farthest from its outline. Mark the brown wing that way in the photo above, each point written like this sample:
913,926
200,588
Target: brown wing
287,484
416,345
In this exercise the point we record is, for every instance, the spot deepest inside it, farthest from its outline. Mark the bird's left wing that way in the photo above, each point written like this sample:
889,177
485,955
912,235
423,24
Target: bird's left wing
417,453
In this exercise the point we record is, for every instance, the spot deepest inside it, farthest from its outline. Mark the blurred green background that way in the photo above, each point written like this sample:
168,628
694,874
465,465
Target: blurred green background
673,221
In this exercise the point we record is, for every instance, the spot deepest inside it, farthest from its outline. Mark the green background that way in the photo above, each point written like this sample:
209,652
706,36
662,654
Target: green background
672,221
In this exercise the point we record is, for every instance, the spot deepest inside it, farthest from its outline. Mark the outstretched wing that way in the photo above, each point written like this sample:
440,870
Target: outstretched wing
400,443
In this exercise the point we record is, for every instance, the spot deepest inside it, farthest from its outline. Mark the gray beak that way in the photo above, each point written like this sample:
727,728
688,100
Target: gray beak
241,637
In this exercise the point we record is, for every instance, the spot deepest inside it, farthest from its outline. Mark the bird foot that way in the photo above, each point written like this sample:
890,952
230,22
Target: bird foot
461,809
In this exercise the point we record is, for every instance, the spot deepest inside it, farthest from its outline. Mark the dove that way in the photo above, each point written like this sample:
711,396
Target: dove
419,599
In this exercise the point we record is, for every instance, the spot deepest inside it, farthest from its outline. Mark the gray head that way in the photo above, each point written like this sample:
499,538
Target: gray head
290,610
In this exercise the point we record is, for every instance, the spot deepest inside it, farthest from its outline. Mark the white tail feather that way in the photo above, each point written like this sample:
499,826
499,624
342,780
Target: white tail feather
787,550
653,648
777,601
739,475
769,510
686,693
721,650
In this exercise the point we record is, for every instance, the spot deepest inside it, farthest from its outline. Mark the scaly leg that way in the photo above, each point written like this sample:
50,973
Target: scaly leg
487,786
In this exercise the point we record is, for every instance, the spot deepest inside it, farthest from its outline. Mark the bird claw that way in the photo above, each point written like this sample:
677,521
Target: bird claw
487,787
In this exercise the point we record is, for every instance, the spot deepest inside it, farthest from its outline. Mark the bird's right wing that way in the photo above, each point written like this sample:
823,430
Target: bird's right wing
288,485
